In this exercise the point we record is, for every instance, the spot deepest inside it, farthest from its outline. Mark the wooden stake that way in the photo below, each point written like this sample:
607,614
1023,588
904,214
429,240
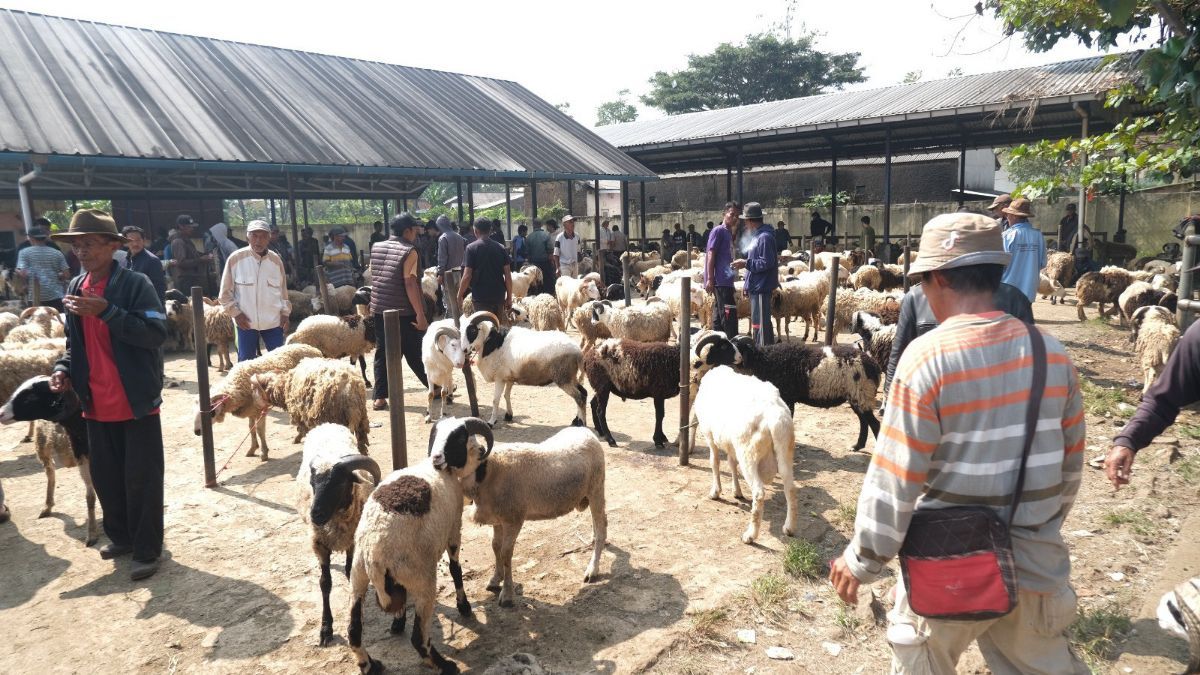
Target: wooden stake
395,384
206,434
685,330
831,307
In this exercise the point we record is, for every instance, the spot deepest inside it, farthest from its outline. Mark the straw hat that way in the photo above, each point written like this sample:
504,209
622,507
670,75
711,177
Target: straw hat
959,240
1019,207
90,221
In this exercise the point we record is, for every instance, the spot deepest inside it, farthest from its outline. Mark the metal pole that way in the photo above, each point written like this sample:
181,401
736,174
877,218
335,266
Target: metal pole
533,199
887,196
304,203
1082,166
642,187
26,199
728,182
625,281
451,289
508,207
458,185
395,384
272,213
740,183
685,331
601,256
201,342
470,202
907,260
385,214
323,289
962,174
1186,310
832,306
295,230
833,192
570,200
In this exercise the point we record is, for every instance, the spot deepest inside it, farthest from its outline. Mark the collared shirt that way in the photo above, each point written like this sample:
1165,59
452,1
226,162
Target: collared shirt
46,265
255,286
604,239
1028,250
339,265
566,248
538,246
720,248
147,263
450,251
762,268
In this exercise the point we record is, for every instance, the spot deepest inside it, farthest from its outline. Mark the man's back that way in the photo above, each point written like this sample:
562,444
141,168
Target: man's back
47,266
537,246
1028,250
486,260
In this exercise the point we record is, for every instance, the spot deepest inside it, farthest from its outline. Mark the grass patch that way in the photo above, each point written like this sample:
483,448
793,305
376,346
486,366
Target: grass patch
802,559
769,590
1095,634
847,620
706,628
1188,469
1099,400
1191,431
844,514
1137,521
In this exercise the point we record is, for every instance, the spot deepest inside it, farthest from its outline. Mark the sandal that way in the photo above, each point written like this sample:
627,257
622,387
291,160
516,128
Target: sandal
379,404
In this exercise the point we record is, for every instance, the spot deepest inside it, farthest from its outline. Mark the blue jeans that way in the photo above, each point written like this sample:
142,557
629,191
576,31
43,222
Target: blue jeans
247,341
760,319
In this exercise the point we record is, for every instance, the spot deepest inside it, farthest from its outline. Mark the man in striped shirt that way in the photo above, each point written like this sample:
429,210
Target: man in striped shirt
952,436
47,265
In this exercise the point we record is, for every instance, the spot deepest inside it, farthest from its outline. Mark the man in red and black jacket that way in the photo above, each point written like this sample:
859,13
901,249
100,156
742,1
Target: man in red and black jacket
113,361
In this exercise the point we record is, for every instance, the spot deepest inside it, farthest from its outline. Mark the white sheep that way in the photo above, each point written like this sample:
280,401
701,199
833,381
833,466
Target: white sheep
7,323
529,277
1051,288
538,481
651,322
572,293
864,299
590,330
756,434
316,391
339,337
670,293
866,276
541,311
442,354
802,298
1154,336
333,484
648,281
518,355
219,331
410,520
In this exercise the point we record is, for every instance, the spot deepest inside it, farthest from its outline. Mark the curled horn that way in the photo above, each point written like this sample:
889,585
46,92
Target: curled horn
351,463
711,338
475,318
474,425
449,331
606,303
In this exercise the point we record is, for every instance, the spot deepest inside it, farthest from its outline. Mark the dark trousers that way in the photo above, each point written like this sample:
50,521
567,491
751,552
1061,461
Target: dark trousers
496,308
549,277
760,319
725,316
410,346
127,470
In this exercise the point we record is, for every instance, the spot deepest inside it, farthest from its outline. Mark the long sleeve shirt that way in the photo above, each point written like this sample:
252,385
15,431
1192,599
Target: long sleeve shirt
952,436
761,262
1028,250
450,251
1177,386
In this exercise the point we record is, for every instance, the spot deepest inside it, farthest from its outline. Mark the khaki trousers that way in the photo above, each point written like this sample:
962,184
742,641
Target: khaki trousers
1030,640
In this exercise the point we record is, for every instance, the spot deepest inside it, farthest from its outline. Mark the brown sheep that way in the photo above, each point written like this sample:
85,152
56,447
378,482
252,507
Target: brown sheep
1103,287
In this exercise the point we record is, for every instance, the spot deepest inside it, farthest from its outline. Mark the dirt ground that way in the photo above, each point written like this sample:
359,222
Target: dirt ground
238,591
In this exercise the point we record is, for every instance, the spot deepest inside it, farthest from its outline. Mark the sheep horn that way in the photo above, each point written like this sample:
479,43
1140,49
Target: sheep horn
711,338
474,425
606,303
448,331
475,318
351,463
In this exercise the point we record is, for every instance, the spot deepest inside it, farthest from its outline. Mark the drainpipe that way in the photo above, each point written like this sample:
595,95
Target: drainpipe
26,202
1083,134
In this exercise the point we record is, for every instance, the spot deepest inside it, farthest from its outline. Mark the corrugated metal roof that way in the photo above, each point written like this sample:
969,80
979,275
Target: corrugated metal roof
1090,77
864,161
70,87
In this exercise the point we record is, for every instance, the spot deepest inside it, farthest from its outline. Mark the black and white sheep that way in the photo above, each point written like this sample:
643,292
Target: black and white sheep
877,337
59,436
1154,336
538,481
756,434
518,355
339,337
442,355
1142,294
412,517
631,370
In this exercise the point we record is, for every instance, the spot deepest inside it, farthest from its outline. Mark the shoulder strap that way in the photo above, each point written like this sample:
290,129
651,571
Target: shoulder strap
1036,388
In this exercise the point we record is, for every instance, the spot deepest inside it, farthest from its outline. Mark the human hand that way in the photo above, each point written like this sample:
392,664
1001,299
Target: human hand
242,321
738,264
284,322
85,305
60,382
1118,465
844,581
710,287
420,324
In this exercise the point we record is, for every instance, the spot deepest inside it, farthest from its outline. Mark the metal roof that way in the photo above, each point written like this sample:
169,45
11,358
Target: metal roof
87,93
990,109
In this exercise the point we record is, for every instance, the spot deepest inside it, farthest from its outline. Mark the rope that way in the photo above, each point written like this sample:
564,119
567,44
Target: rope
244,439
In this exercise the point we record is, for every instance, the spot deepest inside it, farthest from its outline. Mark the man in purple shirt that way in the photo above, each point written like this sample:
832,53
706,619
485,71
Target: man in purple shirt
718,271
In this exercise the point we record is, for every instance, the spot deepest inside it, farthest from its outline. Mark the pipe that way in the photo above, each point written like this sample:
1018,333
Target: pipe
1083,134
26,202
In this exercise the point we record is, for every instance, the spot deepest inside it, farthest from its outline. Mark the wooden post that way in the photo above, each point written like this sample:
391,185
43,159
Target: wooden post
831,307
206,435
451,291
35,290
907,261
685,330
323,290
395,385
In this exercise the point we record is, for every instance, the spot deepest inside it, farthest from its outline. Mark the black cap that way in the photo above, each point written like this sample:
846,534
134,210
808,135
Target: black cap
337,230
184,219
38,232
752,211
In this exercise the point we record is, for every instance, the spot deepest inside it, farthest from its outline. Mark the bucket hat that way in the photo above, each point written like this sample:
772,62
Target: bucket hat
1019,207
752,211
90,221
959,240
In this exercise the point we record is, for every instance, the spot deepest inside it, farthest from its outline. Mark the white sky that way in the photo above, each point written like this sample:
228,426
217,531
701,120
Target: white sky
583,53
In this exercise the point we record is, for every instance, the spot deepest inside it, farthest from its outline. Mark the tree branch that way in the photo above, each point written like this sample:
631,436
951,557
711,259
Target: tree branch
1171,17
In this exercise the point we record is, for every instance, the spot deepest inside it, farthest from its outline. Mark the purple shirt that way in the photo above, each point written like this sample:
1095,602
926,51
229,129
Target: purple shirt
720,247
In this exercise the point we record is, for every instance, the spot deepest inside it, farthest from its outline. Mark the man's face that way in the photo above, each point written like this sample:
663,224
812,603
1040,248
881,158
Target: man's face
274,236
136,243
409,235
95,251
307,234
259,241
569,226
731,216
338,239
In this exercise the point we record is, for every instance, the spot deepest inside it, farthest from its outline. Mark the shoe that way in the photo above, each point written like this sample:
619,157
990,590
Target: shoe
111,550
141,570
4,514
379,404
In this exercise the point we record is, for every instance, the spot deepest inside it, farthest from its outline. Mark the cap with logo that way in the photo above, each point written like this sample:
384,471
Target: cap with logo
959,240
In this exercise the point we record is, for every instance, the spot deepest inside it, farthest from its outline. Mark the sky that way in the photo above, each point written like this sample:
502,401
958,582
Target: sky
583,54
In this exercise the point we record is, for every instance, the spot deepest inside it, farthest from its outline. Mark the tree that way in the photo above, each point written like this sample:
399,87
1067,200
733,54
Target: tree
765,68
912,76
614,112
1155,147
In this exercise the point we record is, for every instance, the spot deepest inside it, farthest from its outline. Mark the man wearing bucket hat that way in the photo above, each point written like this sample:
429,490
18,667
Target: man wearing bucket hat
113,362
762,275
997,207
1027,247
947,441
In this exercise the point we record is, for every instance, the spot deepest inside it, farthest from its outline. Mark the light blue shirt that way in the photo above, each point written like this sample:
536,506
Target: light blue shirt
1028,250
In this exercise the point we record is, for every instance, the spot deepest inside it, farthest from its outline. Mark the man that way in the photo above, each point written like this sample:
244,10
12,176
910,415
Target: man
666,245
997,207
451,248
427,244
188,267
377,235
695,239
48,266
279,244
143,261
708,230
1068,228
519,250
487,273
718,272
868,236
396,284
1026,246
604,237
339,259
818,227
540,246
218,242
619,242
783,238
1176,387
566,249
497,232
254,293
948,441
762,276
113,362
308,251
679,240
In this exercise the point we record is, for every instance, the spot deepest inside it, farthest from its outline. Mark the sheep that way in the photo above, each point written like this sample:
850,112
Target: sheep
572,293
1142,294
1060,267
337,337
636,370
528,278
341,299
303,306
651,322
812,375
46,317
866,276
891,277
648,281
590,330
410,519
59,436
234,394
7,323
538,481
333,482
20,364
430,290
669,292
1101,287
517,355
1166,282
824,261
639,263
58,344
801,298
877,337
362,301
757,435
316,391
848,302
1178,613
1051,288
1154,336
910,255
180,325
219,331
442,355
541,311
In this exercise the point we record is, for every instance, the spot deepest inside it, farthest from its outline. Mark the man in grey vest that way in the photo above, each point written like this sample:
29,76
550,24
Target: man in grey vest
396,284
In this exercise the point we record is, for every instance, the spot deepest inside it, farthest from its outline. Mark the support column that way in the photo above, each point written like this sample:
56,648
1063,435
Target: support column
273,213
962,174
508,207
458,187
570,200
295,231
304,205
728,182
596,222
833,192
385,214
887,197
533,199
1083,134
470,202
626,221
404,204
740,183
642,187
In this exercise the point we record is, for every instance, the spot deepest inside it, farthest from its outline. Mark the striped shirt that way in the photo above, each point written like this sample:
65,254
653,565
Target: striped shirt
46,265
952,435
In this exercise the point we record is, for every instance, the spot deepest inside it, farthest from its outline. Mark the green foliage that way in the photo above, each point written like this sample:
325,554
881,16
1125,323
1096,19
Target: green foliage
617,111
1137,521
911,77
1096,632
769,590
766,67
63,218
1099,400
1188,469
802,558
825,200
555,211
847,620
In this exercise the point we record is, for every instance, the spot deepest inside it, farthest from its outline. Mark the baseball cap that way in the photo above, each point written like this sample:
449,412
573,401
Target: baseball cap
1000,201
38,232
257,226
184,219
959,240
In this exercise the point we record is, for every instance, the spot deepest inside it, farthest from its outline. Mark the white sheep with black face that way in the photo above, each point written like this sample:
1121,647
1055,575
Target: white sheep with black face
1154,337
442,354
572,293
415,515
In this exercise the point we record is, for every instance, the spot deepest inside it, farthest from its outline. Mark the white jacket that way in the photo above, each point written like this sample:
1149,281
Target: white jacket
256,286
